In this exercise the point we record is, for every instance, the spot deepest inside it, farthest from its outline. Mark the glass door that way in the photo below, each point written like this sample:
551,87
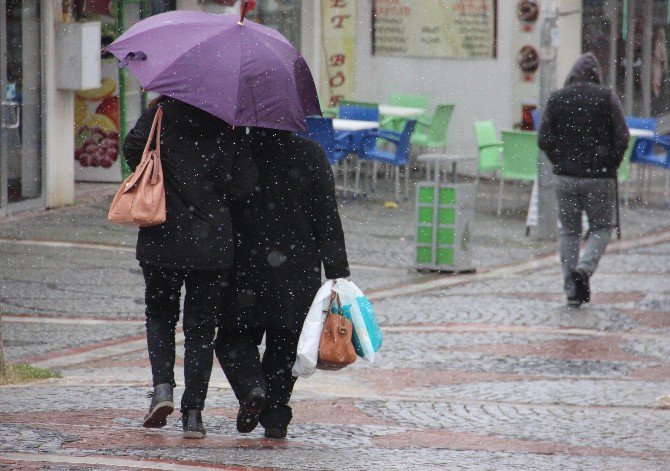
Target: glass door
20,99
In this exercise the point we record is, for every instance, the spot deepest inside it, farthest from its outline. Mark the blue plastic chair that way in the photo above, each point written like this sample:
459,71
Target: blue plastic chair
398,158
643,152
335,145
361,111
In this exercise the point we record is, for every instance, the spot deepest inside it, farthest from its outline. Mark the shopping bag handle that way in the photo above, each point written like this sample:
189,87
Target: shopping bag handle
335,297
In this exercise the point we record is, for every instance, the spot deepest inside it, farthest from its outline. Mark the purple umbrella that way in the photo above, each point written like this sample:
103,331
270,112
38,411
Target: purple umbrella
244,73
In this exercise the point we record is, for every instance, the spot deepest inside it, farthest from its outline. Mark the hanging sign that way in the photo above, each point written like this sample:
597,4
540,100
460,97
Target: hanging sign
339,49
441,29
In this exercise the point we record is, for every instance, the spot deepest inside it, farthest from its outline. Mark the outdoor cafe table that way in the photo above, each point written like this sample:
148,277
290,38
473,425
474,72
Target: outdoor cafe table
400,111
353,125
641,132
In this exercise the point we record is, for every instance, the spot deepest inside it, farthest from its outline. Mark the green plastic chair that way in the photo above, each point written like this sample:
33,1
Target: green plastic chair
361,104
489,147
433,133
624,168
520,153
410,101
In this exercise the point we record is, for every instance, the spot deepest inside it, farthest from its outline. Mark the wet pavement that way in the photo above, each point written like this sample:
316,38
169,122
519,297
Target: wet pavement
478,371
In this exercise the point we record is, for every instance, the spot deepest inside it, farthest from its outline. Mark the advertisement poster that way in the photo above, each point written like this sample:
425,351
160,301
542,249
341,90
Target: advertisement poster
96,128
339,48
440,29
97,111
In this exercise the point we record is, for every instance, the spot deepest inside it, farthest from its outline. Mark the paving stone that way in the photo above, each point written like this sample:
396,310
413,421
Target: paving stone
444,308
513,392
27,339
14,437
52,396
580,392
625,429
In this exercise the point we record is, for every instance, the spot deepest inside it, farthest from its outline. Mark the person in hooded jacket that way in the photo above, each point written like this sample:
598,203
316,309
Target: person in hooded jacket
206,164
584,134
285,231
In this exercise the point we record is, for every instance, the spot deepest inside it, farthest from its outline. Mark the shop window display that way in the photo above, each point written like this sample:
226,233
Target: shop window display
596,33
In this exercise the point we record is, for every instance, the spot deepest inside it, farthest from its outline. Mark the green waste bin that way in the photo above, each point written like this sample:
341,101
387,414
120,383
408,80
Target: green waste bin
444,215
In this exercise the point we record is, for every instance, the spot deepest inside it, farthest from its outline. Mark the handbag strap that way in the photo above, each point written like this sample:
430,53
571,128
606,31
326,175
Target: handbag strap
335,297
158,118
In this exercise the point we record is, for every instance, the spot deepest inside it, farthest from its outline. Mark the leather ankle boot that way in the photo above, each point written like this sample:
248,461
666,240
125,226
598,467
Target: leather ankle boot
191,421
161,406
250,409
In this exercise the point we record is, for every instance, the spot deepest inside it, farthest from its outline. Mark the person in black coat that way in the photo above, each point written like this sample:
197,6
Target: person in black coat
206,164
584,134
285,231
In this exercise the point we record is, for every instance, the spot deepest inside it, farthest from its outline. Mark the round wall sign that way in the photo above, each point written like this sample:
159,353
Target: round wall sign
528,59
528,10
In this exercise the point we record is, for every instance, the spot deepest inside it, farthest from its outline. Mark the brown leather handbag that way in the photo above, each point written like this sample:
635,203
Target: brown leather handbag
336,349
141,199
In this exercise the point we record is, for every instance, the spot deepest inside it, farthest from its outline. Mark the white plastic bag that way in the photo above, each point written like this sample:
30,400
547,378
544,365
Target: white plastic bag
308,343
367,334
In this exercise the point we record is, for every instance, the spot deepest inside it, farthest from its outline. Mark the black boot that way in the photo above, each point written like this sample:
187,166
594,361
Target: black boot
275,431
582,288
250,409
161,406
191,421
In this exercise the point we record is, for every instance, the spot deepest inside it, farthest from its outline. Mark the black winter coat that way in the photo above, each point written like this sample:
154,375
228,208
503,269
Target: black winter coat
285,231
583,129
206,164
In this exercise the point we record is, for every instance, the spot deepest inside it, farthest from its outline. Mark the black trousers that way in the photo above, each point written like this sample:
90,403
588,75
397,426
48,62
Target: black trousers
162,297
238,354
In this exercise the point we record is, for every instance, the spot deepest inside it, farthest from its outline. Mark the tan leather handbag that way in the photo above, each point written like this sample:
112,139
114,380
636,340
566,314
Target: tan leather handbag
141,199
336,349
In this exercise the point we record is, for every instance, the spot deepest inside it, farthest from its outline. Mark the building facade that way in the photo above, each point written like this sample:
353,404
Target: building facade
481,55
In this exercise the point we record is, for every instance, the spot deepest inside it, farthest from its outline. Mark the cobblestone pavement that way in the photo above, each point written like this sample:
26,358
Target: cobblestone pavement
487,371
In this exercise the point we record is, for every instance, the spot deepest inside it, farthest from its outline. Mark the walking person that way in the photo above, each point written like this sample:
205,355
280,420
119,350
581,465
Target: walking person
286,230
206,164
584,134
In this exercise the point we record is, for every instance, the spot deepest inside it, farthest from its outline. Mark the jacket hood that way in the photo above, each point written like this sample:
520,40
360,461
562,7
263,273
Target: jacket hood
585,70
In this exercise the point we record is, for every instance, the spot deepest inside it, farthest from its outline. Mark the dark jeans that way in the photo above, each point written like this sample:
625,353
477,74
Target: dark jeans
597,198
162,297
239,357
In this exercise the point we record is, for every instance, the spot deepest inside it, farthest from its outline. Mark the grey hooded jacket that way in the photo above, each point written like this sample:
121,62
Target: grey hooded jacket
583,129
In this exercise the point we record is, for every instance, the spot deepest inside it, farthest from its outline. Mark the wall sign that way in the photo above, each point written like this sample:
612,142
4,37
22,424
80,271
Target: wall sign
528,61
528,11
441,29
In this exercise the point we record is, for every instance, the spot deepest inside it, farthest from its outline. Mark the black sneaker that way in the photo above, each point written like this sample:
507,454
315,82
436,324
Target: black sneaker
250,409
582,289
191,422
161,406
275,432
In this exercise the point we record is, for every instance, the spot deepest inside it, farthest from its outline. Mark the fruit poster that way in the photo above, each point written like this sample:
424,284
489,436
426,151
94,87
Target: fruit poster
96,128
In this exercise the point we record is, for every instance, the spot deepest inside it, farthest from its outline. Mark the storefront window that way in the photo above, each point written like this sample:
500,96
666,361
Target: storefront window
20,77
599,17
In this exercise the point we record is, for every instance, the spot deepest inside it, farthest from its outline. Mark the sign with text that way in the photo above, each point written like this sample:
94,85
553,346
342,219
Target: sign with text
339,49
440,29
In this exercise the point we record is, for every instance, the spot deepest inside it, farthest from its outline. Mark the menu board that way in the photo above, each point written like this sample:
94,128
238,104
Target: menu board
441,29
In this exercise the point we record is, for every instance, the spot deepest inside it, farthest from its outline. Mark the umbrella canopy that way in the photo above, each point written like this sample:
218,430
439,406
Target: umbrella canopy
244,73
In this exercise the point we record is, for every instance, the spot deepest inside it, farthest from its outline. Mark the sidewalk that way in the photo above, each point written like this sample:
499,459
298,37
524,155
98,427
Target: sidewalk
482,371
